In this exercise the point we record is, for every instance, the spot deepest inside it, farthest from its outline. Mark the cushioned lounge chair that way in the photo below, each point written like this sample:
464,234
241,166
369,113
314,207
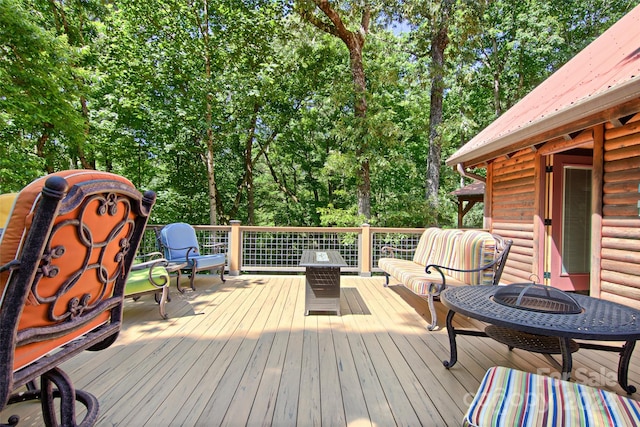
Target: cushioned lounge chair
69,243
149,277
180,245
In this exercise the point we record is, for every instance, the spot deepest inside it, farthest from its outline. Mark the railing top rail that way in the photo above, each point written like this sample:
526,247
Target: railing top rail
264,228
411,230
303,229
197,227
213,227
396,230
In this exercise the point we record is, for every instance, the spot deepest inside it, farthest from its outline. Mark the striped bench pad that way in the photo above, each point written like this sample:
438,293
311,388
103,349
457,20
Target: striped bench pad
445,248
475,248
508,397
425,245
413,276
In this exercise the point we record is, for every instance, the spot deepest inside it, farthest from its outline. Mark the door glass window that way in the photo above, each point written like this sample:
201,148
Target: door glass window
576,225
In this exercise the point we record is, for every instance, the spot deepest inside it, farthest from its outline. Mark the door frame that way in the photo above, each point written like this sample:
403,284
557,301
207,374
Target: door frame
554,189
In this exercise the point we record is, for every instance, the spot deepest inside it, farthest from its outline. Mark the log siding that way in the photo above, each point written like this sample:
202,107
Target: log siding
620,244
513,208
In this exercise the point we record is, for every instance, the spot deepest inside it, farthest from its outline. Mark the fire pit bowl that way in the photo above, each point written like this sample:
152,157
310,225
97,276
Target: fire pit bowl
535,297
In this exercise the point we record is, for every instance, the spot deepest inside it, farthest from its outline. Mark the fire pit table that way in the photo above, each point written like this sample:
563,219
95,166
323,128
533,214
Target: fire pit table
322,272
533,327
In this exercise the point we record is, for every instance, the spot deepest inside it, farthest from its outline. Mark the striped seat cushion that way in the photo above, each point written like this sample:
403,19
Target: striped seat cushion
425,245
475,249
413,276
508,397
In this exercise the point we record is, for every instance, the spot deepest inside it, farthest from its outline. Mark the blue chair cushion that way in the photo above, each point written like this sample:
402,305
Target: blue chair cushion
205,261
176,239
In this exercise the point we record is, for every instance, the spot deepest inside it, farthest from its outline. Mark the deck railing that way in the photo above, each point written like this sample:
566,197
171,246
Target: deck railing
254,249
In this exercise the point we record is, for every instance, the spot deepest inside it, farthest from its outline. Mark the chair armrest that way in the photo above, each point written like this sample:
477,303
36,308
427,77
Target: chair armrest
151,265
189,249
150,256
392,250
181,249
437,288
497,265
10,265
217,246
462,270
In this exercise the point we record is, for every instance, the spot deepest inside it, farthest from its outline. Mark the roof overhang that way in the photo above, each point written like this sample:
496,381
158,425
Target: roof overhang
613,104
598,85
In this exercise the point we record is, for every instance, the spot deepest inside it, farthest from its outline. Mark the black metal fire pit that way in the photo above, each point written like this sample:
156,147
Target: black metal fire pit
535,297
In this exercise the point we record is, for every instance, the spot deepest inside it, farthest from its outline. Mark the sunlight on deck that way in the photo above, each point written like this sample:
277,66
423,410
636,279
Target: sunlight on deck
243,353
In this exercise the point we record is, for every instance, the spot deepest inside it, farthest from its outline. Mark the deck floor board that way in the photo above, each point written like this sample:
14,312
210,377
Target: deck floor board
243,353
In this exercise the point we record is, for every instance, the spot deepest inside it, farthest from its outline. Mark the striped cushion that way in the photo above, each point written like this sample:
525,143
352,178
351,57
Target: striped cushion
508,397
412,275
420,283
445,248
476,248
425,245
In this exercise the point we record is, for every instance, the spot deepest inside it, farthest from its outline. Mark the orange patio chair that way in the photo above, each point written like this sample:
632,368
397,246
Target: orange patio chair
66,251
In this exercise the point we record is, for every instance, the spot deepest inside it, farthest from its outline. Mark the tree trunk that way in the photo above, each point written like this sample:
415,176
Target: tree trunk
497,105
354,40
210,154
439,43
248,161
42,141
81,155
360,108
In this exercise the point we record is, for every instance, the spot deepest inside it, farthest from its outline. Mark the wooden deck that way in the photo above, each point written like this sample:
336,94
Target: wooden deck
243,353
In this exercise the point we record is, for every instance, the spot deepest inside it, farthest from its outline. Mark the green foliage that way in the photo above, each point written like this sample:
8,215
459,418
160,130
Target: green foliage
40,89
152,89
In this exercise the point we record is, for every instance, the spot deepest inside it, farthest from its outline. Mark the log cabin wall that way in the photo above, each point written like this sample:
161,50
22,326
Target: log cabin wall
512,208
620,246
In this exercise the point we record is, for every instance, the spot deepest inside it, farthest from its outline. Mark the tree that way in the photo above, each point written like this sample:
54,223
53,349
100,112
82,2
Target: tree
431,22
193,86
240,110
41,84
335,24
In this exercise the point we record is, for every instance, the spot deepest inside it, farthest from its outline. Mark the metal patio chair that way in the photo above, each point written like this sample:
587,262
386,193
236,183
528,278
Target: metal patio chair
180,245
68,246
150,276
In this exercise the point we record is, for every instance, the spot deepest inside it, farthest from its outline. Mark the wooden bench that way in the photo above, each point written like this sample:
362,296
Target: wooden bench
451,257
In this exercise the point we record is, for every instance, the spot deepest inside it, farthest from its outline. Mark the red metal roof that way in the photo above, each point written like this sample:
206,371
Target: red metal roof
605,74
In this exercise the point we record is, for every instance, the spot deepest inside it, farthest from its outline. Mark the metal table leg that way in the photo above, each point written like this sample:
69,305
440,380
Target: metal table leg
567,360
452,341
623,367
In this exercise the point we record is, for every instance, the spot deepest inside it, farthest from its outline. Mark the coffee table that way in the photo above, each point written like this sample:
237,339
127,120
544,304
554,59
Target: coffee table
598,320
322,278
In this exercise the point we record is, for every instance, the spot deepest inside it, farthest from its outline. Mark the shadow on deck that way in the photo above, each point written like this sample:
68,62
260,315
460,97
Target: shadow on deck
243,353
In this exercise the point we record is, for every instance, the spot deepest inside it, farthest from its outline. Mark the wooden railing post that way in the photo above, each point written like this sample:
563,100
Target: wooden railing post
235,248
365,251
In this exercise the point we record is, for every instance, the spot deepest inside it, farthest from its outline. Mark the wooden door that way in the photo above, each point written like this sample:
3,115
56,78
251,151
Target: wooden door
569,246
